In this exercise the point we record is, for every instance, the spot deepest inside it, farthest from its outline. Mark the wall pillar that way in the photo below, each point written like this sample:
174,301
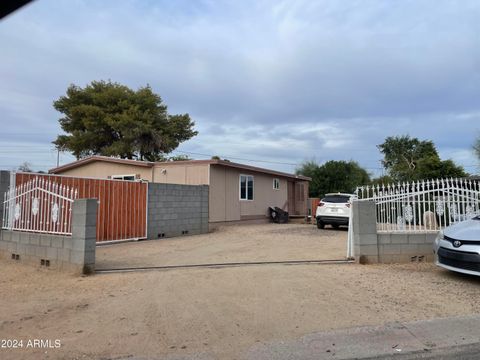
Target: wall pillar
365,232
84,234
4,185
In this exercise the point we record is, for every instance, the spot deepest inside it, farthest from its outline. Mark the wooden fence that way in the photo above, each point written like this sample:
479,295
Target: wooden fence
122,211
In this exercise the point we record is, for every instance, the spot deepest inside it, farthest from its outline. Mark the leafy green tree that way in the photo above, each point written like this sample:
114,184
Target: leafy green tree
110,119
382,180
311,169
333,176
409,159
179,158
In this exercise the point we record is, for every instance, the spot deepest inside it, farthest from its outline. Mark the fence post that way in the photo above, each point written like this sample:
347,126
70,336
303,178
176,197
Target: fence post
365,232
4,185
84,234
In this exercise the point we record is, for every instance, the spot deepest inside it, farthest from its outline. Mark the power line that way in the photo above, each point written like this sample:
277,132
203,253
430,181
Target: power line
37,149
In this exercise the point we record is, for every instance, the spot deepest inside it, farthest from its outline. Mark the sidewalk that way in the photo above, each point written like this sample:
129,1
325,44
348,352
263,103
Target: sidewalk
378,341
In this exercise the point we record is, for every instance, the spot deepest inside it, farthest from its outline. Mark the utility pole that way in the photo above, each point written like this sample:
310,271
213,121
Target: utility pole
58,157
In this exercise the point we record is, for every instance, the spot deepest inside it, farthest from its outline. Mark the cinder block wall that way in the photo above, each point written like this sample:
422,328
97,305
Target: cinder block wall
371,247
177,210
74,253
402,248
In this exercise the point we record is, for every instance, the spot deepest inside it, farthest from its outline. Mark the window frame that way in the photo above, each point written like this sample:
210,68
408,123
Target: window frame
276,181
122,177
246,187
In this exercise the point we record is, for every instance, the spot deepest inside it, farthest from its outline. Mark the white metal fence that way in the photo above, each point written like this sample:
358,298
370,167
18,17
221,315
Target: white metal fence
422,206
39,205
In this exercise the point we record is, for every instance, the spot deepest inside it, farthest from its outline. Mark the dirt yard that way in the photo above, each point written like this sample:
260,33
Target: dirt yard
240,243
216,313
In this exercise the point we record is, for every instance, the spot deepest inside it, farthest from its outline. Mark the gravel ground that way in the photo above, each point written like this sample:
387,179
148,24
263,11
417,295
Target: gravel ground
239,243
216,313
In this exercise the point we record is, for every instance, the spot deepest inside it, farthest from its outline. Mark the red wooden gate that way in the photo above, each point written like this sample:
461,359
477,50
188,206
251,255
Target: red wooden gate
122,210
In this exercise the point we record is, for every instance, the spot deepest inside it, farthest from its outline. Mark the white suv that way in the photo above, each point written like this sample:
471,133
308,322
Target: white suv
334,209
457,247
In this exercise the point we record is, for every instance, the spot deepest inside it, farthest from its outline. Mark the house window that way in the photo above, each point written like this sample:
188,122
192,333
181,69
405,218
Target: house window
276,184
124,177
246,187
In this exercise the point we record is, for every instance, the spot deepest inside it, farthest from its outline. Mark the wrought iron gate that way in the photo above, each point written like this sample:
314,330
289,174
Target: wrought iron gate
39,205
122,209
421,206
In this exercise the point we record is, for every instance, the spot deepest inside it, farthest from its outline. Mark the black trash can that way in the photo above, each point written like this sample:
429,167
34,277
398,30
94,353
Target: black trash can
278,215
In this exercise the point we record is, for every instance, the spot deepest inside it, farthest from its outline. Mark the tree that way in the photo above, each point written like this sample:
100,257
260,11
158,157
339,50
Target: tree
409,159
25,167
165,158
382,180
476,147
179,158
110,119
216,157
333,176
311,169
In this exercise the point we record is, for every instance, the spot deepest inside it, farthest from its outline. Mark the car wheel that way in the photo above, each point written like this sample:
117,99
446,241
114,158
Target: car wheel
320,224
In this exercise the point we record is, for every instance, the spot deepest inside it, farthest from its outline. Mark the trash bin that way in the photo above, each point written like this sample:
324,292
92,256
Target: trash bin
278,215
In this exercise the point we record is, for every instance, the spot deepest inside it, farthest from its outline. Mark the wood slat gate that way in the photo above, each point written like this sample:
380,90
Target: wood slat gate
122,211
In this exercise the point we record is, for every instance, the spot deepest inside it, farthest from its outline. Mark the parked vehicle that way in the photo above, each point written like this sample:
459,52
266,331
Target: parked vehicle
457,247
334,209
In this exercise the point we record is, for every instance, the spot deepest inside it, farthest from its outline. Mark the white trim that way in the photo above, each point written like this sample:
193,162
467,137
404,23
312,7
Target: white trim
45,191
278,182
73,176
246,187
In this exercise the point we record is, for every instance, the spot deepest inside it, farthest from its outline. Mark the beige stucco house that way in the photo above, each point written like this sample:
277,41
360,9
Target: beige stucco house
237,192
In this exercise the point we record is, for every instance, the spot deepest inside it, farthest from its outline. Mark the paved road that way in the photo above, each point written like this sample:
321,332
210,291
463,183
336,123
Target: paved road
449,338
456,338
466,352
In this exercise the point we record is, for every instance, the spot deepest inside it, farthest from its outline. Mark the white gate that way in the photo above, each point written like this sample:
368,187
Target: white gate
421,206
40,206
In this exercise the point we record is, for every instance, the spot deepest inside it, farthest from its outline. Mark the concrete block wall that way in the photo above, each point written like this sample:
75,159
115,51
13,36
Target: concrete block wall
365,232
371,247
403,248
74,253
177,210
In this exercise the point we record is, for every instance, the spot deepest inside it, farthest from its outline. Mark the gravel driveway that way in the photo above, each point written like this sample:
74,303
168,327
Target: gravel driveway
237,243
215,313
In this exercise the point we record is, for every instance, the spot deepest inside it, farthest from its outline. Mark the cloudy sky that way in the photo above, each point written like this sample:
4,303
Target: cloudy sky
270,83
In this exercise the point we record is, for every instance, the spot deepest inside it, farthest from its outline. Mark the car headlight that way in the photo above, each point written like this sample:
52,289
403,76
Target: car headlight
440,236
436,243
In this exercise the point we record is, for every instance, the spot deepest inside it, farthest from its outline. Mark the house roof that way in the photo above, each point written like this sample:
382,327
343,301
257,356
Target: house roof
257,169
107,159
94,158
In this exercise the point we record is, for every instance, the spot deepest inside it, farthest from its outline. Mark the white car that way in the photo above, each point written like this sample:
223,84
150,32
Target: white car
457,247
334,209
